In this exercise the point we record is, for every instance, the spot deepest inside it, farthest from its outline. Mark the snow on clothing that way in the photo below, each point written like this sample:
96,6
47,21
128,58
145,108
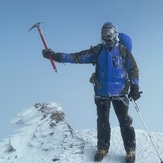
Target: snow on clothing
114,72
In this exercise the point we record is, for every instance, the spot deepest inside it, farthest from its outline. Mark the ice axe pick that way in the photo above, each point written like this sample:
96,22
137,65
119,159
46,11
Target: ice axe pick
37,25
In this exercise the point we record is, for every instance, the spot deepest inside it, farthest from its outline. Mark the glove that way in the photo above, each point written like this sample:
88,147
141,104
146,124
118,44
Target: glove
48,52
134,93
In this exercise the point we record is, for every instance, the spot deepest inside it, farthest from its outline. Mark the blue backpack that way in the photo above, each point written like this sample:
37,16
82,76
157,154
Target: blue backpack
125,40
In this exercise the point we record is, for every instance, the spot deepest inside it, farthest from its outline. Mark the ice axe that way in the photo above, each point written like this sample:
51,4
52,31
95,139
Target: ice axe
37,25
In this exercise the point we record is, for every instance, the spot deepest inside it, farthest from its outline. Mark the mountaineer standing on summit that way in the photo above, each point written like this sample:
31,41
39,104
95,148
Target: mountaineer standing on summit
116,77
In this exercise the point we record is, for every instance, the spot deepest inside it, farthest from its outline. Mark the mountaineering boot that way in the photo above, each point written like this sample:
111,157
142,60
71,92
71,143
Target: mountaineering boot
100,154
130,157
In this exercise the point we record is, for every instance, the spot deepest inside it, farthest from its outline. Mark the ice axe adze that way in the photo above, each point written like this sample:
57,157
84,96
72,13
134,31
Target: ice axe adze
37,25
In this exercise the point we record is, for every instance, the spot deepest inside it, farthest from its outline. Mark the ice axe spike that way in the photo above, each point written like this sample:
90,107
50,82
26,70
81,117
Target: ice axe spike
37,25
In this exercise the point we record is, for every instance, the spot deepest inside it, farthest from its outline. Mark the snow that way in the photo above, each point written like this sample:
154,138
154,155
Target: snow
45,136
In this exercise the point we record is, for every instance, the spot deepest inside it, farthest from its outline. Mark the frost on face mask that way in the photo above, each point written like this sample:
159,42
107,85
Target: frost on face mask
109,34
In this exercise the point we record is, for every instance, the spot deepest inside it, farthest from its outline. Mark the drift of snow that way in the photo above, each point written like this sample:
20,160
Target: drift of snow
45,136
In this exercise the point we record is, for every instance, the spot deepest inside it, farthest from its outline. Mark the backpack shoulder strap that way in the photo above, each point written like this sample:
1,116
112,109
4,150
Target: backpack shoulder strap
96,51
122,50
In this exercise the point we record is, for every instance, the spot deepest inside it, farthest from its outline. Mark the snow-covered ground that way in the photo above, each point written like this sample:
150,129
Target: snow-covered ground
45,136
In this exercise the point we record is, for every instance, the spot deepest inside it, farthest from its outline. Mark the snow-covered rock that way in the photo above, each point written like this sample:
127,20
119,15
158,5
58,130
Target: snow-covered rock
45,136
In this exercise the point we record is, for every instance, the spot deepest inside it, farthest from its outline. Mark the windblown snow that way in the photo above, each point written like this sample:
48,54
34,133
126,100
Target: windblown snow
45,136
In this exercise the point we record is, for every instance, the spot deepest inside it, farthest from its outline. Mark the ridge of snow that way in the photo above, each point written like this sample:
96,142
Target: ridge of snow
45,136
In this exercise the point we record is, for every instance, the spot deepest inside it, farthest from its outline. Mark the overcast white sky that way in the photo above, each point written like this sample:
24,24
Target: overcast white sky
27,78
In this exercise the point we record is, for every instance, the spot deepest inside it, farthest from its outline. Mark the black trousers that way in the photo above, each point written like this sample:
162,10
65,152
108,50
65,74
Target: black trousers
121,106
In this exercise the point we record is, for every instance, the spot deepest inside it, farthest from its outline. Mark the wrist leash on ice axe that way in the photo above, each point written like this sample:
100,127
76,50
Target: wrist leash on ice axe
37,25
138,111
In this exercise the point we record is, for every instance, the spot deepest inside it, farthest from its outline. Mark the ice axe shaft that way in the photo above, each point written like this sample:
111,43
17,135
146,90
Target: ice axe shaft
37,25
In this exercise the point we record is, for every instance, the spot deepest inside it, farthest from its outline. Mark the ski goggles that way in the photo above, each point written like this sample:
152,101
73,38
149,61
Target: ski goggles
108,34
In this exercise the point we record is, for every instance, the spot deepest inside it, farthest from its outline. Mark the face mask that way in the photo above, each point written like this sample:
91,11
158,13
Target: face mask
109,36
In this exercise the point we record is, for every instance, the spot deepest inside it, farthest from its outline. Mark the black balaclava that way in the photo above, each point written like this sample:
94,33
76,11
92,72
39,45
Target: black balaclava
109,35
